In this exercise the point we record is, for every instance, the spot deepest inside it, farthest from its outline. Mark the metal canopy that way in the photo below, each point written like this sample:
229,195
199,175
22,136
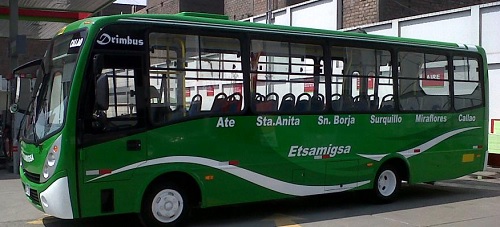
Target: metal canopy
42,19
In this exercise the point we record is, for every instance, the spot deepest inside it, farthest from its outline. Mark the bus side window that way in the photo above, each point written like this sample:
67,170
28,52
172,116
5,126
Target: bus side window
423,82
196,75
287,70
361,77
121,113
467,89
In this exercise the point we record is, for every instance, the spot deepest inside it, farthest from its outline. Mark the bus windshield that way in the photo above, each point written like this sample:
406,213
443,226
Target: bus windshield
47,114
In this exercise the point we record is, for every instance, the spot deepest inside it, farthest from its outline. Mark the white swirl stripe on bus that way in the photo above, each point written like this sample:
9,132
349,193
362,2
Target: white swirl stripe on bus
422,147
375,157
258,179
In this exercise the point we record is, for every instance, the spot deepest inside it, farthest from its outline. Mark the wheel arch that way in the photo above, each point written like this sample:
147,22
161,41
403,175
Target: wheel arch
401,165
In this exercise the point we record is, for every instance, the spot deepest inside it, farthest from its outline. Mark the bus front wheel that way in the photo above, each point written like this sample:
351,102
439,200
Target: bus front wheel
165,204
387,184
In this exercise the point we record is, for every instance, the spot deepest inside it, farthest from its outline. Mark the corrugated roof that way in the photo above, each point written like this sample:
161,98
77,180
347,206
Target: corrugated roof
33,29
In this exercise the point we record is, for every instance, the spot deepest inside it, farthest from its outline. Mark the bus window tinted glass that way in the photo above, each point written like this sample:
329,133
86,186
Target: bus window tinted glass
122,110
361,80
467,88
423,82
193,75
287,77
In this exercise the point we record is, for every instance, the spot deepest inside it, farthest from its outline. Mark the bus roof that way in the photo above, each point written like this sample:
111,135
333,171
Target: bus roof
213,19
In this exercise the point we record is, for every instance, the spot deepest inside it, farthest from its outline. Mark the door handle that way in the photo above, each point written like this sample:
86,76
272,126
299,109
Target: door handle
133,145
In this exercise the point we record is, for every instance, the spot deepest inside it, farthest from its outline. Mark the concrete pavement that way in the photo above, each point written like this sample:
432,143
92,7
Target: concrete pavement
14,206
490,175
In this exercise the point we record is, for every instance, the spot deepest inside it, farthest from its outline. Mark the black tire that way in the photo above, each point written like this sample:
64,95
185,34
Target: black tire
387,184
165,204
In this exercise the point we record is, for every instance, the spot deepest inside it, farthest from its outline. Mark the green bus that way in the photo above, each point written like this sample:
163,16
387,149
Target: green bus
160,114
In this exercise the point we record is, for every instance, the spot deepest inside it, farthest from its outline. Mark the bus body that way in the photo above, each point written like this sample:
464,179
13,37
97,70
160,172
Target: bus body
156,114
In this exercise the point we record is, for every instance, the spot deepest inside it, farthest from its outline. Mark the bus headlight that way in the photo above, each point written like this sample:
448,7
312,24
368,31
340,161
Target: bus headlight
51,160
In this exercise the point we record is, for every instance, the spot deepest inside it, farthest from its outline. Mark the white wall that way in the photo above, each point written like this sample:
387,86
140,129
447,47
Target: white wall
313,14
490,33
494,89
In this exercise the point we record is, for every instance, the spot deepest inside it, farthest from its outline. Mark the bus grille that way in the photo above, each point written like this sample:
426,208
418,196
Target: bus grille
33,177
34,197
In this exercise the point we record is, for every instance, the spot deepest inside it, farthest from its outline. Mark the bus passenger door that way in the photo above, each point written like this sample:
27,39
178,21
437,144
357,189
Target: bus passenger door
113,143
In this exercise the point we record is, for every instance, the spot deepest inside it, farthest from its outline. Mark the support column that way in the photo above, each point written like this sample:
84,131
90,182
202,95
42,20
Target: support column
13,32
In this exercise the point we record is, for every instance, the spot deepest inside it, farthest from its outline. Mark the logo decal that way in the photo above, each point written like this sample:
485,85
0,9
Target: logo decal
330,151
106,39
28,158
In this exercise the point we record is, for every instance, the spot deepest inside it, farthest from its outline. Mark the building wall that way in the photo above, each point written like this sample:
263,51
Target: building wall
260,6
392,9
161,6
202,6
238,10
176,6
359,12
114,9
242,9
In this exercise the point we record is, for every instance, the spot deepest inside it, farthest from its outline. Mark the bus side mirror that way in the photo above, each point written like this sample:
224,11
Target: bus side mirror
13,108
102,93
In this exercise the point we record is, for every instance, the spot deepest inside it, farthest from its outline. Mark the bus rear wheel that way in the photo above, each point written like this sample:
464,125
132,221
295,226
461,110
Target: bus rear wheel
387,184
165,205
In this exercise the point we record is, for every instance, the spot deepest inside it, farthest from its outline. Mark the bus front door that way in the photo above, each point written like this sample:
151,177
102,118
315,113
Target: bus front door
114,142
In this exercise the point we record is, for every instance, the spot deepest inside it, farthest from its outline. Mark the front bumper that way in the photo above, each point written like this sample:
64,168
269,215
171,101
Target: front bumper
54,200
